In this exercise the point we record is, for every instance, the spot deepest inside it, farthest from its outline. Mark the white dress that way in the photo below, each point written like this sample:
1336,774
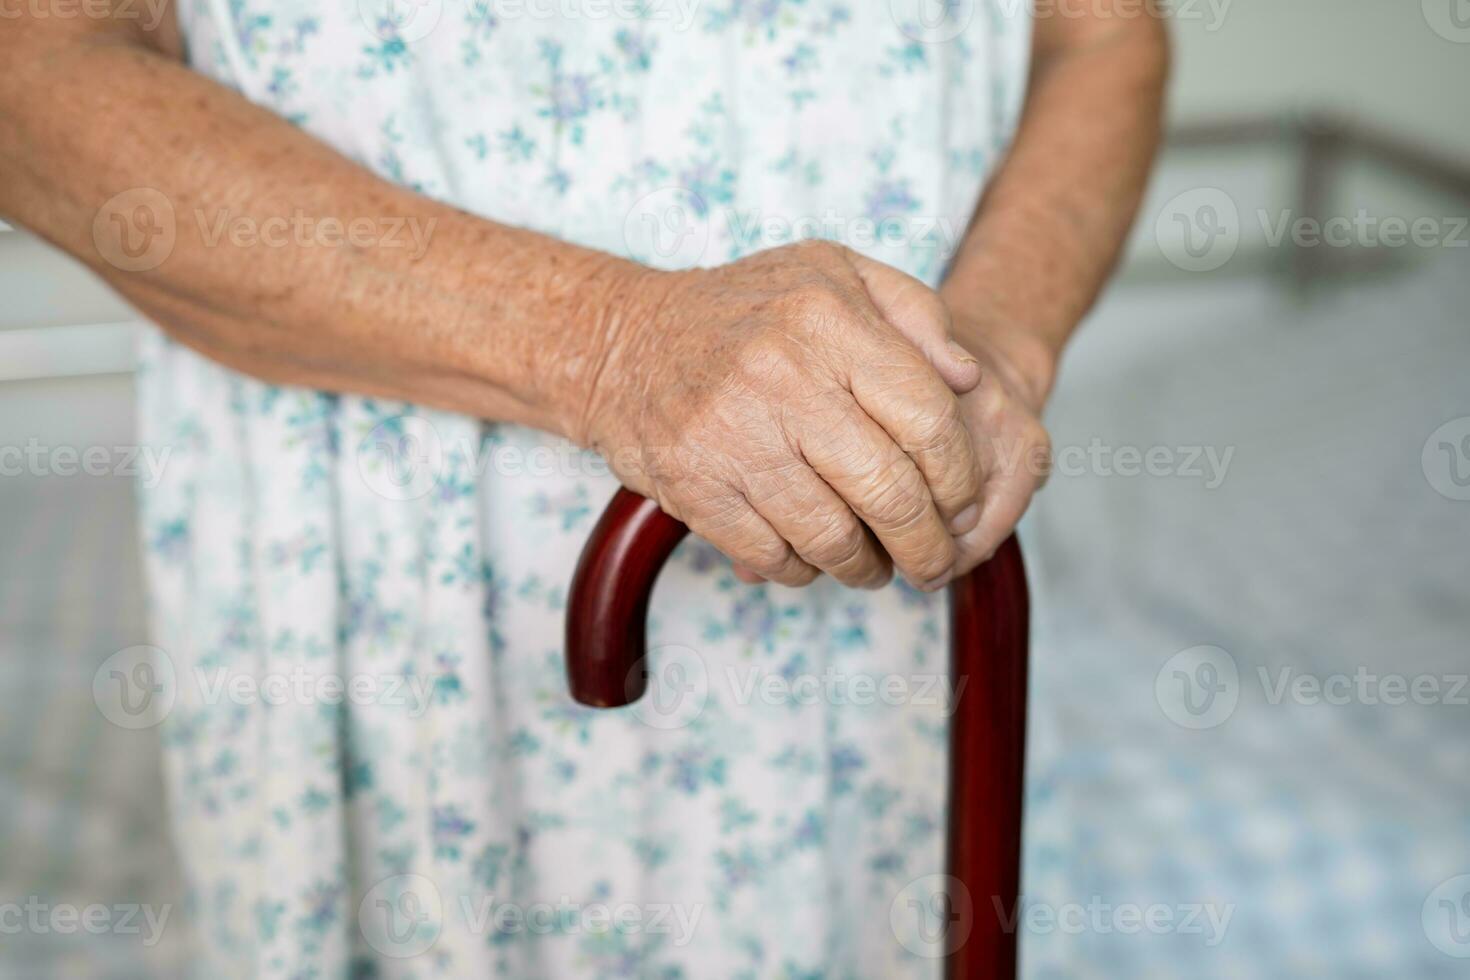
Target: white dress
775,811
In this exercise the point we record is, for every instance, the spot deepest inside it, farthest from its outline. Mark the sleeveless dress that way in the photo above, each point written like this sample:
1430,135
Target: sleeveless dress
373,764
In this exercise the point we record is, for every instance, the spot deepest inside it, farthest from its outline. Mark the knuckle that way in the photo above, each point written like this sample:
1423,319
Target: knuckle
899,497
841,441
941,431
816,302
664,465
1034,458
994,403
712,507
766,359
770,482
840,545
820,250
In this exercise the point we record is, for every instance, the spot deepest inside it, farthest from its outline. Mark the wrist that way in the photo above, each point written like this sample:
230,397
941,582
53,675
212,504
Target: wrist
1021,351
548,321
617,311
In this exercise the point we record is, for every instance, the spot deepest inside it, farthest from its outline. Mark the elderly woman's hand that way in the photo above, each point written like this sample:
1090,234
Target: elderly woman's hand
775,406
1003,414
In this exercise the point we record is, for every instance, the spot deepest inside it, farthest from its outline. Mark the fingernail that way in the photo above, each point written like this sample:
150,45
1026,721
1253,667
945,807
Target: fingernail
961,355
964,522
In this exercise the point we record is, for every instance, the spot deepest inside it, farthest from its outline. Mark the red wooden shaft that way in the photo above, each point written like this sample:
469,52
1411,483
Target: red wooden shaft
607,614
989,632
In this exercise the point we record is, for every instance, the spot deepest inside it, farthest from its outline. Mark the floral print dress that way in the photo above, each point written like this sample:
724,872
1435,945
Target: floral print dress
374,766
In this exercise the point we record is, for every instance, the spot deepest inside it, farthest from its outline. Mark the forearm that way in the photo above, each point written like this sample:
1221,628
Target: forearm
470,316
1054,218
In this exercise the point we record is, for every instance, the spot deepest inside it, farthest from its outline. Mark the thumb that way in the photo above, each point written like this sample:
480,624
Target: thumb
917,312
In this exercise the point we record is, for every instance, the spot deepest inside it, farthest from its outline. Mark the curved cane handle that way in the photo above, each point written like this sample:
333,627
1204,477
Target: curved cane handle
607,609
607,614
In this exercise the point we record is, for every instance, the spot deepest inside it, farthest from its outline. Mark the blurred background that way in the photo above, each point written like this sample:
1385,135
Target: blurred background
1251,567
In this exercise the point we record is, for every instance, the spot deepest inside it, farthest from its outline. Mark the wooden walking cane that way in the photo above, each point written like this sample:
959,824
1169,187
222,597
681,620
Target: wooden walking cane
607,613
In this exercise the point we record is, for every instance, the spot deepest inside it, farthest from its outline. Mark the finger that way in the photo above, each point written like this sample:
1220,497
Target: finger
818,524
1006,497
997,520
883,487
747,576
903,395
741,533
917,312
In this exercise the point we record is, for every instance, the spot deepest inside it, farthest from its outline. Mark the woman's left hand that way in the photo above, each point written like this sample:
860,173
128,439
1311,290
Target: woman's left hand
1003,413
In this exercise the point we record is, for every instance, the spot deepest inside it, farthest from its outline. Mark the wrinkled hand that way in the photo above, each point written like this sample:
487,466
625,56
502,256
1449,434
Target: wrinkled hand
1003,416
1003,413
797,410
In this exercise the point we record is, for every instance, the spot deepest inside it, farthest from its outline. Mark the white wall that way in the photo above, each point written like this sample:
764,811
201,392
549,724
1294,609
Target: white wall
1378,60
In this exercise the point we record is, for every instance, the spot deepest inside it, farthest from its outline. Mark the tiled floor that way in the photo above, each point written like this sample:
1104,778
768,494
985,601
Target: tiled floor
81,801
1325,550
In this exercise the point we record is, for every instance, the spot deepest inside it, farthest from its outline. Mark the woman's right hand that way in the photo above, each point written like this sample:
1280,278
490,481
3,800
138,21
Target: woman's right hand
773,406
